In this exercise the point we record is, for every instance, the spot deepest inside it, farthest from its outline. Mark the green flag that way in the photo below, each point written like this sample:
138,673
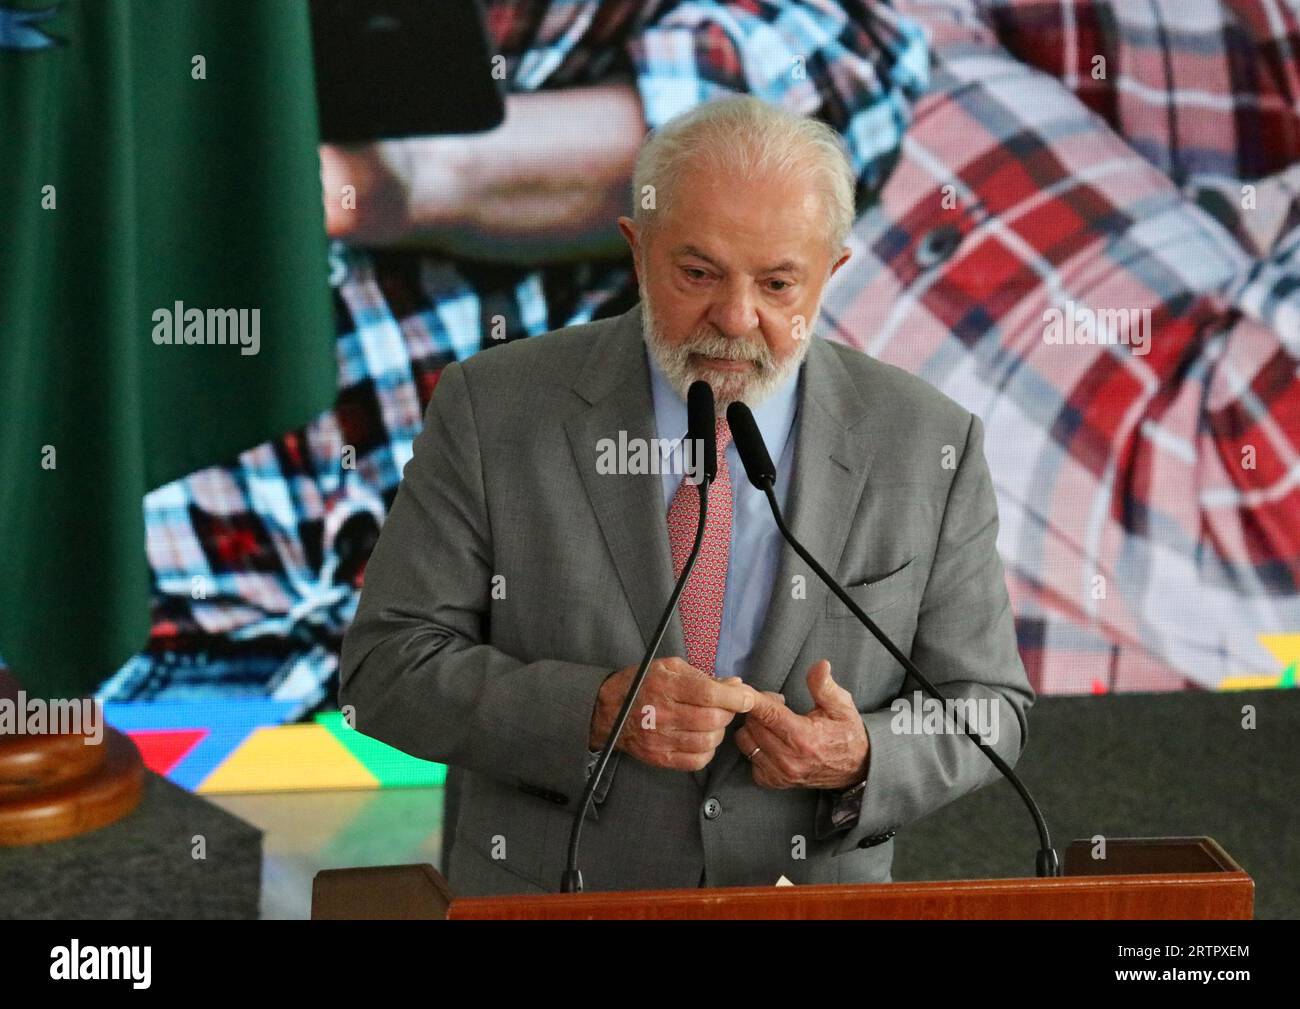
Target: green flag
164,302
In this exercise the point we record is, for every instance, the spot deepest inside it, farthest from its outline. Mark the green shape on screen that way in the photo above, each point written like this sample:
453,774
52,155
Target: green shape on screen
1288,675
392,767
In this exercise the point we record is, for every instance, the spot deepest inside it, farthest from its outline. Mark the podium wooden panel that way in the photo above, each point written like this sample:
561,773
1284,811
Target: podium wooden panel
1141,878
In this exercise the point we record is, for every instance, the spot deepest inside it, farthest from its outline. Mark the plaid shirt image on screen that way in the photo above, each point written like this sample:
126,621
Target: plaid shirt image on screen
1140,552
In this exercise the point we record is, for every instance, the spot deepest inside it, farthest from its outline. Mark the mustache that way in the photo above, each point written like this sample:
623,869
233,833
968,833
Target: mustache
710,343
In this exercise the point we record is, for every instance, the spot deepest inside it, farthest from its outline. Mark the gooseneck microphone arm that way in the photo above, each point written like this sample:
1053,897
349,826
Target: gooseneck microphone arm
762,474
700,433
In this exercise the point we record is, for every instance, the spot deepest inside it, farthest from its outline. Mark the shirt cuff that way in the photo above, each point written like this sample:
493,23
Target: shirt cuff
847,806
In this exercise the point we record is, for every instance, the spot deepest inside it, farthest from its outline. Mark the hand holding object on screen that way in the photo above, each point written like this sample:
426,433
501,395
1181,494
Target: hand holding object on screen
546,185
368,189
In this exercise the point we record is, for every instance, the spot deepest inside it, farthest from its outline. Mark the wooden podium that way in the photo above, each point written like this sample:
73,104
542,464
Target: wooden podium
1141,878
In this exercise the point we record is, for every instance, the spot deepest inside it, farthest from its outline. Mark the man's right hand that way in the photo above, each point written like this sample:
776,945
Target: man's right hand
680,716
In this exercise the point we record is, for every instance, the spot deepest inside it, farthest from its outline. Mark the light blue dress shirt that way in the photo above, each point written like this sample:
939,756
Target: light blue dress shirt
756,541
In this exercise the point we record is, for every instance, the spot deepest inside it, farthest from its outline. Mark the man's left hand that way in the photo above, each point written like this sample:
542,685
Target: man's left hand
826,749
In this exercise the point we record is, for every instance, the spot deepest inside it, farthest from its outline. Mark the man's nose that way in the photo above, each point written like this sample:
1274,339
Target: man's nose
734,311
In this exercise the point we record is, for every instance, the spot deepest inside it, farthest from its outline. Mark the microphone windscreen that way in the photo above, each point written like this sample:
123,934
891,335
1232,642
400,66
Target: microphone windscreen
701,426
749,444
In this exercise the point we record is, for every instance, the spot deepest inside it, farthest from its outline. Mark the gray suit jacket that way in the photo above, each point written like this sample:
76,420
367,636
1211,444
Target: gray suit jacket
511,578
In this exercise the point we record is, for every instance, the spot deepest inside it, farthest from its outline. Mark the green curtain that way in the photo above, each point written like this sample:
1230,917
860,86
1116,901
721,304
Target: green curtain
151,153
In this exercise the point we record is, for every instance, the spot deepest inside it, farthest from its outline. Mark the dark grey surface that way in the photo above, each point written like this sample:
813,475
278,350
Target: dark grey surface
1136,765
142,866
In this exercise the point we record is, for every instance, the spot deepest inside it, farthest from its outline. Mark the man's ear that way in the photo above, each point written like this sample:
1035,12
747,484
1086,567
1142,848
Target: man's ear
628,227
845,253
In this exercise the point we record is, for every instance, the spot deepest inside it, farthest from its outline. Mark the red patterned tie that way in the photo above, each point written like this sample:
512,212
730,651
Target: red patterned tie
700,605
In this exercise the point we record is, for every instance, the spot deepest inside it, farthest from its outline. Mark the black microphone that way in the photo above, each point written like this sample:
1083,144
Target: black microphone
749,443
762,474
701,426
700,431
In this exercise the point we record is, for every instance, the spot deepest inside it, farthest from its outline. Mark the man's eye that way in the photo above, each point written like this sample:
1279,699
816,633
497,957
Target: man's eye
695,273
772,285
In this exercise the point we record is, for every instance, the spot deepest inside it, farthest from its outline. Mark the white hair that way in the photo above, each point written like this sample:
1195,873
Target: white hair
753,138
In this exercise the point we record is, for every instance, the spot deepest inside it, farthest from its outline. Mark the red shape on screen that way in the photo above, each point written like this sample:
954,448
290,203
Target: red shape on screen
163,749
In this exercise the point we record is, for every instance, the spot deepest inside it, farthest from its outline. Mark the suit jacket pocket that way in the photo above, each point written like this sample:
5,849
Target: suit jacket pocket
874,593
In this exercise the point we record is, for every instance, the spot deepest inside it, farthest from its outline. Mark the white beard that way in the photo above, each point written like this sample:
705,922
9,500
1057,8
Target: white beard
674,361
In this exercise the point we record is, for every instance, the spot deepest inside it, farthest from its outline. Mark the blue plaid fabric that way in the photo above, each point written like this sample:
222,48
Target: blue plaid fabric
257,564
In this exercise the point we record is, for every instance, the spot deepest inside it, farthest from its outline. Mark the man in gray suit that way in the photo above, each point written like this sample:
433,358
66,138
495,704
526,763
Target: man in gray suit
527,558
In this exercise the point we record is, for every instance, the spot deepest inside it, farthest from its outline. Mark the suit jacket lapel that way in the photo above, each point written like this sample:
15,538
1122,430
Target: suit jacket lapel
615,381
830,471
